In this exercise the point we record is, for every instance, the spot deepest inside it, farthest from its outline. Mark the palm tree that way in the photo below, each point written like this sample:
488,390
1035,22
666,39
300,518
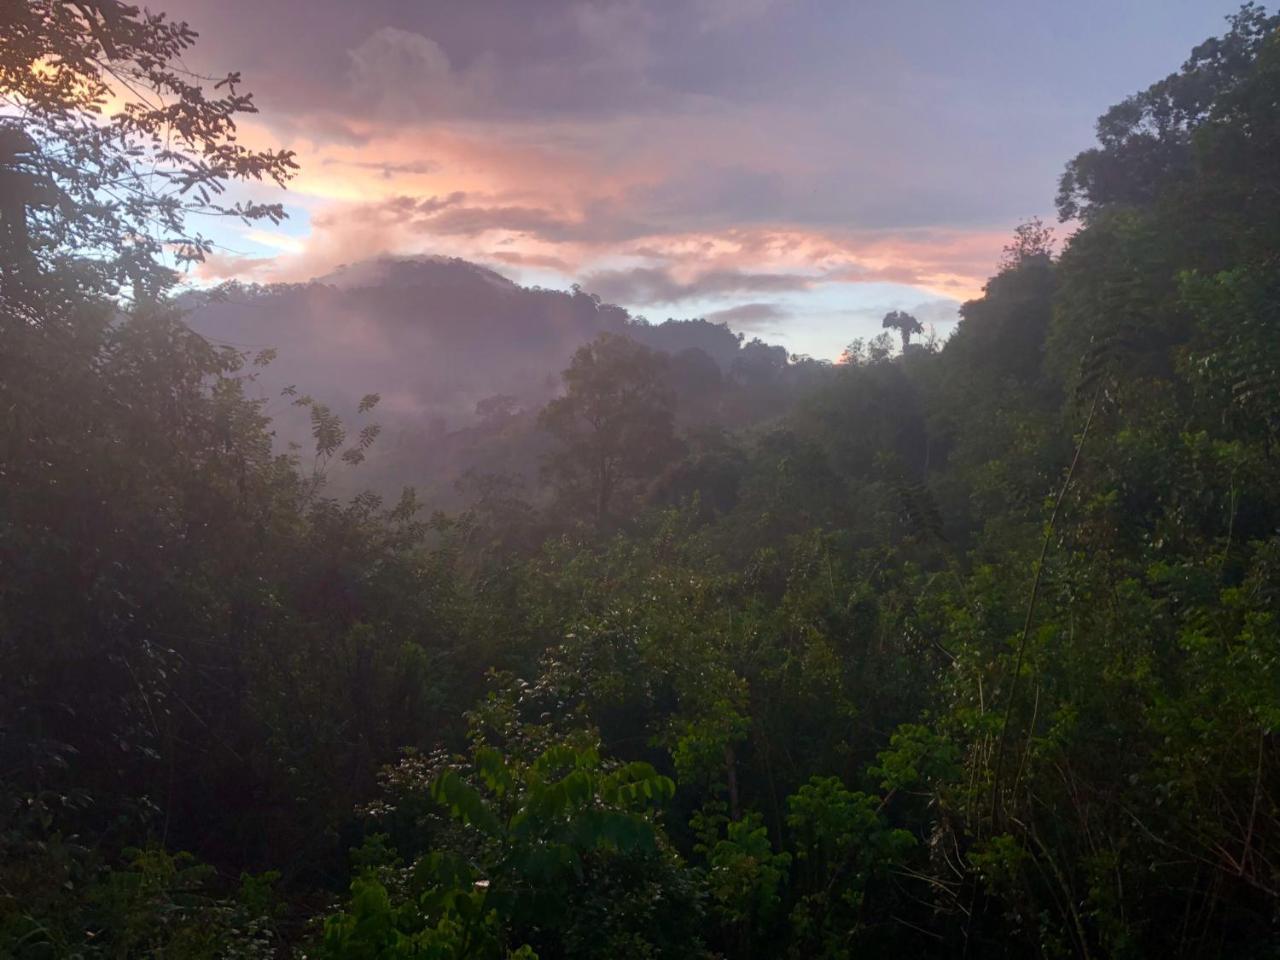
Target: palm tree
904,323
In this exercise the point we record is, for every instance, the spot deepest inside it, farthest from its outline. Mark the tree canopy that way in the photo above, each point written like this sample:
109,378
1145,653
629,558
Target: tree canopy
906,325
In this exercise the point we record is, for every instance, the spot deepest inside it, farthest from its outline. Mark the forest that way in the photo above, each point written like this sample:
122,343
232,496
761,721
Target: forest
959,647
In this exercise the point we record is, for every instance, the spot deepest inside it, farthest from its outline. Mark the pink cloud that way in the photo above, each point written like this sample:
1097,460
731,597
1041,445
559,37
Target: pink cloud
666,195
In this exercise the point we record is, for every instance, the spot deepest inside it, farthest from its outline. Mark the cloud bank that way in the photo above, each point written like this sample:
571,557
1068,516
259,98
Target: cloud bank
710,154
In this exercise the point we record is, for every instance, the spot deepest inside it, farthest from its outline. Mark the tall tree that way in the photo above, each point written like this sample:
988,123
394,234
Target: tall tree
1146,142
141,502
614,421
904,323
108,142
1032,240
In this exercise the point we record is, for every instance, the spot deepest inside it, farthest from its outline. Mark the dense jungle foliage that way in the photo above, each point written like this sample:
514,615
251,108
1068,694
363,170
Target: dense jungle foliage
971,650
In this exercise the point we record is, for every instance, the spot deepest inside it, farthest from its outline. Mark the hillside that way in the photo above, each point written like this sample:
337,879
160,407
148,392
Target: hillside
434,337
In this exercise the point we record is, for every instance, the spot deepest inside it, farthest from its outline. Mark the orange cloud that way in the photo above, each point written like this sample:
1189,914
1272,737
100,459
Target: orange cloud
578,198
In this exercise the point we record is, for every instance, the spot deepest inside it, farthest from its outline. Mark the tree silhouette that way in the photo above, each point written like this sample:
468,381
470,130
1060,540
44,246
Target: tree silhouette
904,323
1031,240
614,422
108,142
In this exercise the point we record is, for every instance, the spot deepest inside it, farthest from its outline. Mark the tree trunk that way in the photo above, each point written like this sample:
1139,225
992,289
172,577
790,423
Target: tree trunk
731,774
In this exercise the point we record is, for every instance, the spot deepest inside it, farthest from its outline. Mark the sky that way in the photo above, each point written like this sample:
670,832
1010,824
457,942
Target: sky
795,169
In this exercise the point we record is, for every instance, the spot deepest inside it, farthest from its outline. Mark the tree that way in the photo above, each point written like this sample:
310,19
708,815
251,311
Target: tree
145,513
563,851
1031,240
113,191
904,323
614,421
758,364
859,351
1146,141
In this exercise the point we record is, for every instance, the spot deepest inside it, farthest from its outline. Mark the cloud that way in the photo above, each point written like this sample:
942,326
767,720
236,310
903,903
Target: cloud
937,312
719,193
744,111
402,210
722,14
545,261
386,168
653,285
594,139
749,316
470,221
737,151
404,75
596,222
230,266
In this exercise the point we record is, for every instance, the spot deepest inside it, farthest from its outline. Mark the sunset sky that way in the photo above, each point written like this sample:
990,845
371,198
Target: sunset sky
794,168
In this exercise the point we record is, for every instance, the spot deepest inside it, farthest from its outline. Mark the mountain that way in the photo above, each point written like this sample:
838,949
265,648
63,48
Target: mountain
435,336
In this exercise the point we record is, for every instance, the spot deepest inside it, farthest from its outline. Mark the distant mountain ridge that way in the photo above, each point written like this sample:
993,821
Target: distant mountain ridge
433,335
